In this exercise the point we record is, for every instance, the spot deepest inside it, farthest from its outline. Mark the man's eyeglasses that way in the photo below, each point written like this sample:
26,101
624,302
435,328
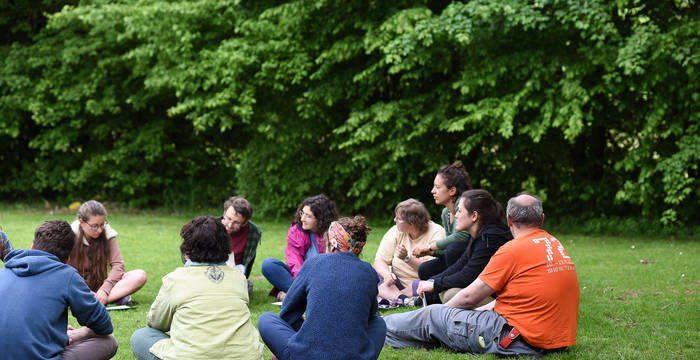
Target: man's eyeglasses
228,221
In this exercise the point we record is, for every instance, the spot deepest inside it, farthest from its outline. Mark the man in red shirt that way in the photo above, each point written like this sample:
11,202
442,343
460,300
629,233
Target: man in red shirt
243,233
536,309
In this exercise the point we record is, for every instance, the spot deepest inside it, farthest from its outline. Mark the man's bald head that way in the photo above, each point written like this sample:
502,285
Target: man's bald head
525,209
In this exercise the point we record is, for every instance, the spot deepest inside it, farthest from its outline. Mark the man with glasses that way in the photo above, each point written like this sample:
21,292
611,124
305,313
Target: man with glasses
244,234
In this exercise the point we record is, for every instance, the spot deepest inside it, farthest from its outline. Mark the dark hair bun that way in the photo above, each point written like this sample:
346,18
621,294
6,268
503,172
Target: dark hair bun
455,175
356,226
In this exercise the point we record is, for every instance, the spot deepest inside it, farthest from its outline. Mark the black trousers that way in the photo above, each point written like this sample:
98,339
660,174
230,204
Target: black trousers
434,267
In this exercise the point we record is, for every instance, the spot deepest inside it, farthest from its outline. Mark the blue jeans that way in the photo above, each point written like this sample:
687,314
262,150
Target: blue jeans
470,331
276,333
277,273
143,339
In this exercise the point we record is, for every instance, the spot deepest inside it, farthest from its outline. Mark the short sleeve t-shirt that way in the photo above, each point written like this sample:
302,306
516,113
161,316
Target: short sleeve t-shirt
537,287
393,238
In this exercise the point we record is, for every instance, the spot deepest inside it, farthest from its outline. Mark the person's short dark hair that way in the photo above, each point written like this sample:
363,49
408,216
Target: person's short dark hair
55,237
240,205
204,239
324,211
455,175
414,212
529,213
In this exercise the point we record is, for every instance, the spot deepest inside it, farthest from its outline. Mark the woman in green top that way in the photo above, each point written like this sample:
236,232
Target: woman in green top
450,182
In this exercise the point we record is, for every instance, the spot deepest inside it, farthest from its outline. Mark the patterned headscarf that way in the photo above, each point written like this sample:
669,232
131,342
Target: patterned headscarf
341,240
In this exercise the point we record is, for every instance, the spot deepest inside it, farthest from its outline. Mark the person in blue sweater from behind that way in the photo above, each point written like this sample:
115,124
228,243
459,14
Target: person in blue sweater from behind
338,293
37,289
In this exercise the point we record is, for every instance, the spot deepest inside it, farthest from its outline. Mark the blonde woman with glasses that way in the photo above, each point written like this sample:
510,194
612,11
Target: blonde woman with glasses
95,248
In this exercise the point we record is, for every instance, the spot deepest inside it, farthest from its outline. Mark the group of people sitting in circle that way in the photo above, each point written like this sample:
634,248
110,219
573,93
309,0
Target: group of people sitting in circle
480,285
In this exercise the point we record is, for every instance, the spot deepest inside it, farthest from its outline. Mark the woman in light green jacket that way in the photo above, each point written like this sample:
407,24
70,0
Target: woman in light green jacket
204,305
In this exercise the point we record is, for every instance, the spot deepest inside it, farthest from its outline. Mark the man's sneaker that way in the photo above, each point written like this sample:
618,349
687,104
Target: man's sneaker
126,300
413,301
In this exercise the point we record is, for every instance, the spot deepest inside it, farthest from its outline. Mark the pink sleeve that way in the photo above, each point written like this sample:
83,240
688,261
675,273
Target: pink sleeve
116,264
298,242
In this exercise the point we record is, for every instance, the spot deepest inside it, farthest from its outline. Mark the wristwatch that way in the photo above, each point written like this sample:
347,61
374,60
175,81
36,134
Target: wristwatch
407,258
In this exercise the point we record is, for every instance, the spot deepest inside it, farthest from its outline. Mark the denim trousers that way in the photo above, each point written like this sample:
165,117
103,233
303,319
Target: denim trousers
470,331
143,339
277,273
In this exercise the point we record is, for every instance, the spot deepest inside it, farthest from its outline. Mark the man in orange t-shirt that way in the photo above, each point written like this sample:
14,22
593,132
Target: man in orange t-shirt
536,310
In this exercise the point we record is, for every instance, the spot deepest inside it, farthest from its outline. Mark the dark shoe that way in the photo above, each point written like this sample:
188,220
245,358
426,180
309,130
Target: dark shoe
388,303
126,300
413,301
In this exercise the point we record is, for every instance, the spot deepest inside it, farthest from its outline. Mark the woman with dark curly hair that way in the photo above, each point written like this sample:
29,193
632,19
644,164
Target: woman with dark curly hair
204,305
342,326
304,241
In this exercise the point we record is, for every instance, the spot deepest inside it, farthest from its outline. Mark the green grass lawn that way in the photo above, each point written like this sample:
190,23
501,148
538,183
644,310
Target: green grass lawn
640,297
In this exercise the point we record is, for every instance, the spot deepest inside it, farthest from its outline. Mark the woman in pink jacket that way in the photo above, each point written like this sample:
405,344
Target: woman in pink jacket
304,240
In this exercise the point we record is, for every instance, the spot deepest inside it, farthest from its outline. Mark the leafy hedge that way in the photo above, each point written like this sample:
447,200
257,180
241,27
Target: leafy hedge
592,105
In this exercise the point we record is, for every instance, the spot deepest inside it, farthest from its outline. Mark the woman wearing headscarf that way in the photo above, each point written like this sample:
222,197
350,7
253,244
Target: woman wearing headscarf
338,293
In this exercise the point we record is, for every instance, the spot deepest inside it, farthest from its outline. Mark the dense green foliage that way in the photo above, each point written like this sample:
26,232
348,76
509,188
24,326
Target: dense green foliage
592,105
